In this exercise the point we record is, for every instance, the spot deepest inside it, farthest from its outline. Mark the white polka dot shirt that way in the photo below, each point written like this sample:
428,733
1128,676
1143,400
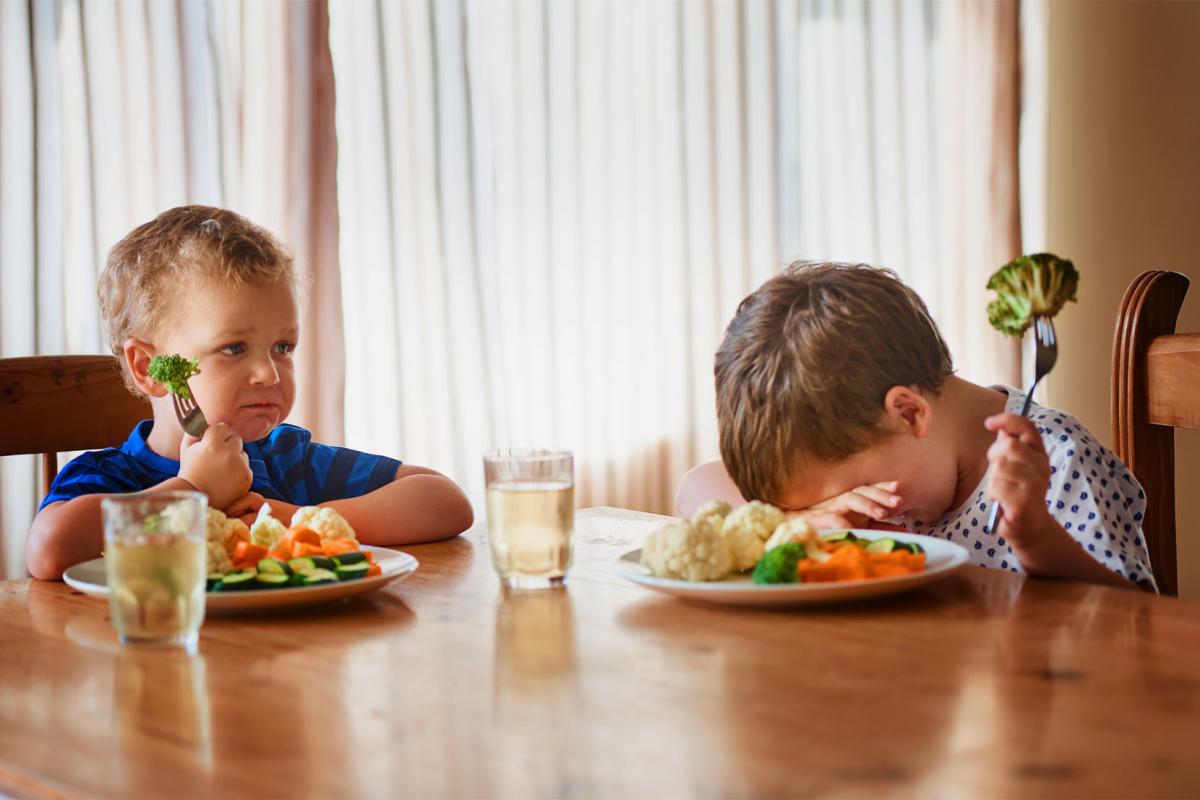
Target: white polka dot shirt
1092,495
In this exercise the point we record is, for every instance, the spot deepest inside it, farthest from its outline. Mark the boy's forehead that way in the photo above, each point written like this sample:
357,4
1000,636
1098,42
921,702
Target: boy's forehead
208,306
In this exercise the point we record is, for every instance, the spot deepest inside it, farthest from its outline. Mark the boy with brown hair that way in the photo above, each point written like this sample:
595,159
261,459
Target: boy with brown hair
837,401
207,283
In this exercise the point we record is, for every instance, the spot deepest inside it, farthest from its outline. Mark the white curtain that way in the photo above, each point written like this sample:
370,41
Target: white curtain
550,210
112,111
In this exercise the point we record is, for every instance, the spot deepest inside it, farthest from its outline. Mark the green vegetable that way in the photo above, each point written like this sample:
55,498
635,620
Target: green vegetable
778,565
173,372
839,536
882,546
237,580
1027,287
271,580
353,557
348,572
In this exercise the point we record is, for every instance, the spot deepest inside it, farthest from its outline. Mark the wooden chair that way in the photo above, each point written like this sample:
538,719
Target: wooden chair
50,404
1155,389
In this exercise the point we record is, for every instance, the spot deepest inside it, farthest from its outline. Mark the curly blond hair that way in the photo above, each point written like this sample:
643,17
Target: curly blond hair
148,269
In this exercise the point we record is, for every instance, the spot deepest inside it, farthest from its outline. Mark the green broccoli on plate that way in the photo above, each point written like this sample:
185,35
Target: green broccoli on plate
1027,287
778,565
173,372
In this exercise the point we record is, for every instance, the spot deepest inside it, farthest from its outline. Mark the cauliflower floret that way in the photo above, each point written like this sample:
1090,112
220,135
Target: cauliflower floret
216,561
800,531
266,530
222,535
325,521
693,551
747,528
717,509
225,530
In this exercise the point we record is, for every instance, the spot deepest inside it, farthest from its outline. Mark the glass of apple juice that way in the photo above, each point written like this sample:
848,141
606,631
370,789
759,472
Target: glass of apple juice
154,553
530,515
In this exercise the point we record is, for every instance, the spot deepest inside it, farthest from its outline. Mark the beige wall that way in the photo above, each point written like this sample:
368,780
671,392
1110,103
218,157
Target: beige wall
1123,196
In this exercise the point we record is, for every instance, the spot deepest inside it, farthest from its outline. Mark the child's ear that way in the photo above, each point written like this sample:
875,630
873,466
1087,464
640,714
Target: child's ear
137,359
908,410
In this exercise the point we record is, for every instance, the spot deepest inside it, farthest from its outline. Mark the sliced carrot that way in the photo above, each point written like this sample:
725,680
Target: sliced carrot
280,552
335,547
369,556
249,552
301,549
374,570
306,535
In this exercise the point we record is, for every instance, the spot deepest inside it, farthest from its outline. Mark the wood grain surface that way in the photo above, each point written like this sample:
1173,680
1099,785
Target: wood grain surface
986,684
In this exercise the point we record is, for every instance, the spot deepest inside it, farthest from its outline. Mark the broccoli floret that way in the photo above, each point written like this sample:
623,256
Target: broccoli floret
778,565
173,372
1030,286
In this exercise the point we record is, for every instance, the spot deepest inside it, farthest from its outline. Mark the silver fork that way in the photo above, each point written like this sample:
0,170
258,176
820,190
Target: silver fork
191,418
1046,354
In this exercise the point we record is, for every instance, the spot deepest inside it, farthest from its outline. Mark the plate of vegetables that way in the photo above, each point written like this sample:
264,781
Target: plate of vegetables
314,560
753,556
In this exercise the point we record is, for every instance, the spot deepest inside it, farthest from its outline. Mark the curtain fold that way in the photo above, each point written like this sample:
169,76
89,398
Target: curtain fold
111,112
551,210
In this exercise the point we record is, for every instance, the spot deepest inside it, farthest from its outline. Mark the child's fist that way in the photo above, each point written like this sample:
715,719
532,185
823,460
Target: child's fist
216,464
855,508
1020,475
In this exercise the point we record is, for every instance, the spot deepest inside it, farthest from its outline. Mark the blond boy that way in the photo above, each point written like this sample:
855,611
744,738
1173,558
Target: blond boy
206,283
837,401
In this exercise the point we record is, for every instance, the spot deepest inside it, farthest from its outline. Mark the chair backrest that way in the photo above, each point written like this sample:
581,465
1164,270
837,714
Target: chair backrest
50,404
1155,389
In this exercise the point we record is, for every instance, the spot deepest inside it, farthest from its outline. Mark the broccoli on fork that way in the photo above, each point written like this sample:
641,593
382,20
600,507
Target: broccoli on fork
1030,286
173,372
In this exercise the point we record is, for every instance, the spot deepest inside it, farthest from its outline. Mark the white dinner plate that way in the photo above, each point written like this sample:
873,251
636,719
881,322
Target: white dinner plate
91,579
942,558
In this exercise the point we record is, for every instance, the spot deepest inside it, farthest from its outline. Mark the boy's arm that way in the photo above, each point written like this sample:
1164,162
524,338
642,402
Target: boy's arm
70,531
1019,477
418,505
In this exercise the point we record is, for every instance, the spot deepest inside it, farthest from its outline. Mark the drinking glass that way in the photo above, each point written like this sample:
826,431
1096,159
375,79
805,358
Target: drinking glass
531,515
154,553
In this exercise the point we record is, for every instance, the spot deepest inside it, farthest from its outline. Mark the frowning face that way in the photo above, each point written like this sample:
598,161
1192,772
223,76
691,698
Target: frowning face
244,337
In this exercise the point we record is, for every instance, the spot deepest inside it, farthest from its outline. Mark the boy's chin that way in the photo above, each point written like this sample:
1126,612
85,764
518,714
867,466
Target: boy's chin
253,430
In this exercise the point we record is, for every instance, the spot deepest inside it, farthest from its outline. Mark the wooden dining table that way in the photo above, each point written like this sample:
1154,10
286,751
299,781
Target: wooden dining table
984,684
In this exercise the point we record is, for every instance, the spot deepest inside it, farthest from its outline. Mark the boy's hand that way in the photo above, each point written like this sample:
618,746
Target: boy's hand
1020,475
246,507
216,464
853,509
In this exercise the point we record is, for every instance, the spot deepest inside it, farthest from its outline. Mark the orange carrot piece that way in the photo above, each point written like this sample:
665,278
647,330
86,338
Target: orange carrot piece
374,570
369,556
335,547
305,535
249,552
301,549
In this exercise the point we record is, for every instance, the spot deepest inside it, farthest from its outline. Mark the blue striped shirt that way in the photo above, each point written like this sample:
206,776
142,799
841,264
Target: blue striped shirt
287,466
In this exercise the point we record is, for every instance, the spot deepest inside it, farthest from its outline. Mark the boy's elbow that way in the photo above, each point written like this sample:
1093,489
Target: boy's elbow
461,516
41,559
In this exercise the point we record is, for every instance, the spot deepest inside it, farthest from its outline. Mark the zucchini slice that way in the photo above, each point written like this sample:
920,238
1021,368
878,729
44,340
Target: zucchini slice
353,557
348,572
273,566
838,536
317,576
299,565
271,580
320,562
882,546
237,580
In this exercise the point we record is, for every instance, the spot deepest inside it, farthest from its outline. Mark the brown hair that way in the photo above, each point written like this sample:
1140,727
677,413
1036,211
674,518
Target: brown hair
806,363
146,270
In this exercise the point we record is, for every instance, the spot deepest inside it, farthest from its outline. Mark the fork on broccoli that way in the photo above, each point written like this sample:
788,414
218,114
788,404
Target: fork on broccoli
1030,286
173,372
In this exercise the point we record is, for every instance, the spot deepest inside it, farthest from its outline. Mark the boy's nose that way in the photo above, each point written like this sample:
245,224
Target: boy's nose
264,372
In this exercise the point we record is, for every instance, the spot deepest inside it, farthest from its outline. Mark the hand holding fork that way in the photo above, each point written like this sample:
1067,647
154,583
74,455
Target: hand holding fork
1046,342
